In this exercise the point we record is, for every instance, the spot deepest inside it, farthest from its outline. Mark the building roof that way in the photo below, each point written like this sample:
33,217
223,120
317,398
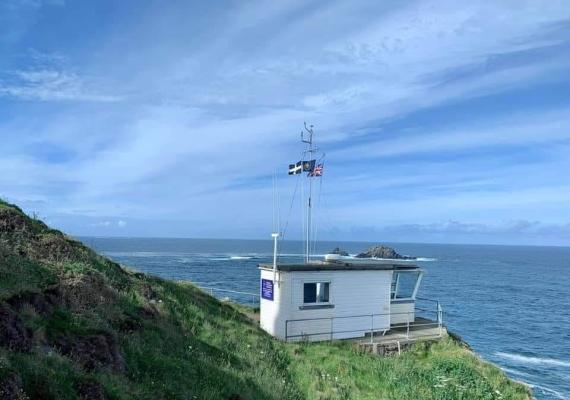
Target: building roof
340,266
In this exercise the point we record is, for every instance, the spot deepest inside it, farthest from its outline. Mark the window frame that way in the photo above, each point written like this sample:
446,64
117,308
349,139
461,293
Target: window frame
416,285
316,303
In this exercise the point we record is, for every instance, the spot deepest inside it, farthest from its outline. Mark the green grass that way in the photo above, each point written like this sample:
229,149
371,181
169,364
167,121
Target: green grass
180,343
444,370
18,275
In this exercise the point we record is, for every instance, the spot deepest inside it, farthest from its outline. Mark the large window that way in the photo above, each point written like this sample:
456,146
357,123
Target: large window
404,284
316,292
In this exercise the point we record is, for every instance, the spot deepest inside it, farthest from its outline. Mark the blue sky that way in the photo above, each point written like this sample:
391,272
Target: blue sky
442,121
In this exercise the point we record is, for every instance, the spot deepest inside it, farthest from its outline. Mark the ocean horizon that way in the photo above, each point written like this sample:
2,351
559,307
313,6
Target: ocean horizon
508,302
85,239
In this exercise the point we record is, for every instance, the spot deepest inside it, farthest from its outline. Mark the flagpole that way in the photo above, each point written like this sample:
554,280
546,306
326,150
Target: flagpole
309,204
309,218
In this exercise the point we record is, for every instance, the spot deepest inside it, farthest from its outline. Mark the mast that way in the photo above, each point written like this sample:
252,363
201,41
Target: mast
310,151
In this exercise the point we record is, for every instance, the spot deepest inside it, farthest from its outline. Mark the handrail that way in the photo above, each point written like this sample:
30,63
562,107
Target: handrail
254,296
407,324
424,299
358,330
227,290
353,316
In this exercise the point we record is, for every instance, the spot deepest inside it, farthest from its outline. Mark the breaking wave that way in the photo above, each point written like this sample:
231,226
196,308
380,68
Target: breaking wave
518,358
551,392
515,372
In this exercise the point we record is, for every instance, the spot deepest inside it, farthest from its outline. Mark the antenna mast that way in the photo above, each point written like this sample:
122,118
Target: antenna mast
309,151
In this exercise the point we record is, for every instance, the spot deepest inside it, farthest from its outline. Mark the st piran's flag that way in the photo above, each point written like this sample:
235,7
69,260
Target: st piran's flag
296,168
302,166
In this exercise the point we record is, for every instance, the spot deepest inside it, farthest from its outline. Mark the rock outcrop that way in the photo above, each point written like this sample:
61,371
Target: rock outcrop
98,351
340,252
383,252
13,334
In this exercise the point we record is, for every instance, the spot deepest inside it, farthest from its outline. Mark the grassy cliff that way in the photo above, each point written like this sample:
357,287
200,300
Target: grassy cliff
75,325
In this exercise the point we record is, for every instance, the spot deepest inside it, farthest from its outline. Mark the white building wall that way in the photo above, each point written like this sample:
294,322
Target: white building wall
351,293
402,312
272,314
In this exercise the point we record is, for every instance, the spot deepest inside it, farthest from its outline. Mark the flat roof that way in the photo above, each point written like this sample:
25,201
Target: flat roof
339,266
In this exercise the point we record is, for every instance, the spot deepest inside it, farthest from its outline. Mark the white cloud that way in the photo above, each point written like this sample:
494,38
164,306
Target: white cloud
517,129
50,85
104,224
193,110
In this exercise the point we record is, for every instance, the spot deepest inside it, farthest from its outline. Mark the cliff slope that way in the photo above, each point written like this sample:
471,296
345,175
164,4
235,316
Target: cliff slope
75,325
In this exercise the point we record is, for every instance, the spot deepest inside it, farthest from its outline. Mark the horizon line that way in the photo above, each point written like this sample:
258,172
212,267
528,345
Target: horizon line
378,242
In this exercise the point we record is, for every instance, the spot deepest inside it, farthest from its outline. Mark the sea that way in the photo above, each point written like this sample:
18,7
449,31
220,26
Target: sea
510,303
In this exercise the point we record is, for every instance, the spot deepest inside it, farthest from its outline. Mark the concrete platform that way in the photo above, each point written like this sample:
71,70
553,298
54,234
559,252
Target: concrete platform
400,336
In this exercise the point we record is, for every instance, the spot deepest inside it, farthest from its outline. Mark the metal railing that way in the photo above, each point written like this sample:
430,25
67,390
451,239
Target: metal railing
412,324
241,297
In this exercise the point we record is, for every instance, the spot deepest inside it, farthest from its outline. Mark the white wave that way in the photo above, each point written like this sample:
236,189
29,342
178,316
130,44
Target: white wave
556,394
155,254
518,358
295,255
426,259
515,372
241,257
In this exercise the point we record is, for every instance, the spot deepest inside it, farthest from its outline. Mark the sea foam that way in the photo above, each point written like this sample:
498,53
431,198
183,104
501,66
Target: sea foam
518,358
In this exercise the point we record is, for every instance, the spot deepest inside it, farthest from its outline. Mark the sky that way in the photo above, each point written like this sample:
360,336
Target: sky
441,121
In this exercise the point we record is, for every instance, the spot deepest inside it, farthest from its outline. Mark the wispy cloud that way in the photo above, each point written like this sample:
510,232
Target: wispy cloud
518,129
49,85
419,106
49,77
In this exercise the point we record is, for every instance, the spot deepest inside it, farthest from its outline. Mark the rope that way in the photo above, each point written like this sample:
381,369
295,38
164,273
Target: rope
290,209
321,161
292,202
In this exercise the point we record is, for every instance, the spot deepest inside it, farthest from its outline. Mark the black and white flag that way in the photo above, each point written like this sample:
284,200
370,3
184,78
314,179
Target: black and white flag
301,166
295,169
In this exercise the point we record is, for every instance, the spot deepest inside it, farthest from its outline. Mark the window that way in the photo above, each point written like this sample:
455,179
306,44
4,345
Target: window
317,292
404,284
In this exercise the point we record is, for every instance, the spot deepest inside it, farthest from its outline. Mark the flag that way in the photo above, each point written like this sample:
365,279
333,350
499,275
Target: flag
317,171
309,166
296,168
301,166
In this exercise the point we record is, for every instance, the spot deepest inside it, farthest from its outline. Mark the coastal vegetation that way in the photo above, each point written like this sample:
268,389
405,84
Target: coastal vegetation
75,325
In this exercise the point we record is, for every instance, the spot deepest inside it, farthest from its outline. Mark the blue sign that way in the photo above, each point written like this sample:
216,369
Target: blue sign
267,289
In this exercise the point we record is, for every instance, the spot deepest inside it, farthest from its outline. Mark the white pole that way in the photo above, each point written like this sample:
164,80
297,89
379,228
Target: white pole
275,236
309,205
308,250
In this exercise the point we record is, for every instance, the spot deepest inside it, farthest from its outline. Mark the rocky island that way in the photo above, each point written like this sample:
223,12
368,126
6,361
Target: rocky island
383,252
340,252
76,325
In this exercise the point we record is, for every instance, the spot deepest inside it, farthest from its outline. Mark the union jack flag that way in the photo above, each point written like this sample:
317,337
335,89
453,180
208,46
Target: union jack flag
317,171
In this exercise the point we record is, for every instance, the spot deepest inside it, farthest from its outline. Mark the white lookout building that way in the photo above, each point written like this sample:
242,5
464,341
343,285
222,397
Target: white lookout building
340,297
337,299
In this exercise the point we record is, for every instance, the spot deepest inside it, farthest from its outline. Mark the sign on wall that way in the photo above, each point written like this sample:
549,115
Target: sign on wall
267,289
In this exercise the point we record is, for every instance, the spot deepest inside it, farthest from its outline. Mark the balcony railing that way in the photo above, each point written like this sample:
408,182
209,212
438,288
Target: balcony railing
419,323
246,298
